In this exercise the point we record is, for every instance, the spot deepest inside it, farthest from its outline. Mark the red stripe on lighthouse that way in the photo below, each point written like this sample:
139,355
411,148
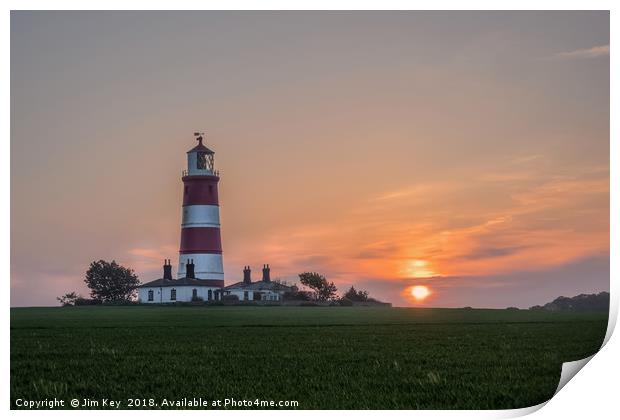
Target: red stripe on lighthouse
197,240
200,190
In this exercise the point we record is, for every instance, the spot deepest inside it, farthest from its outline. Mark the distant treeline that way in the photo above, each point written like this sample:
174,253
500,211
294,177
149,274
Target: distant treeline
581,303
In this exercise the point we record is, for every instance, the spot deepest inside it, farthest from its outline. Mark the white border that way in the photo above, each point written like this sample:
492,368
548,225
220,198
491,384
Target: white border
592,394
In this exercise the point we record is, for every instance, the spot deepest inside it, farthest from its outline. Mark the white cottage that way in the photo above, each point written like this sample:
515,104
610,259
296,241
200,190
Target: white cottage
185,289
265,289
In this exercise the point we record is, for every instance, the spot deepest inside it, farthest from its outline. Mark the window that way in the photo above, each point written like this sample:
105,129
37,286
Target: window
201,162
150,296
194,294
209,295
216,295
173,294
245,295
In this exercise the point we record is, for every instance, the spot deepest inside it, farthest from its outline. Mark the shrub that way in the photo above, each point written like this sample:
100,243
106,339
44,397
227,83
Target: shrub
345,302
356,295
86,302
115,302
68,299
297,295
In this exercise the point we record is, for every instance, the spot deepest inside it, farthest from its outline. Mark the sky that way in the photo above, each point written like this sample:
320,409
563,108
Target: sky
467,152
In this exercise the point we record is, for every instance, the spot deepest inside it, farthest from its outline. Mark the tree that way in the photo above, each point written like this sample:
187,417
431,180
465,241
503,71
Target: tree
110,282
68,299
580,303
356,295
323,290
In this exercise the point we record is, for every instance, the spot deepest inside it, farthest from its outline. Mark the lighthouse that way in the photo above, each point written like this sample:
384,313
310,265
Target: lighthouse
200,277
201,244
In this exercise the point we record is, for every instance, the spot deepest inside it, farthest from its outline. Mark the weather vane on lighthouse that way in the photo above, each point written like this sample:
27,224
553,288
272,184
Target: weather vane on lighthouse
199,136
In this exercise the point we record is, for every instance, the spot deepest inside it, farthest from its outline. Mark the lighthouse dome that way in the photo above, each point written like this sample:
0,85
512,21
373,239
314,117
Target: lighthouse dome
201,148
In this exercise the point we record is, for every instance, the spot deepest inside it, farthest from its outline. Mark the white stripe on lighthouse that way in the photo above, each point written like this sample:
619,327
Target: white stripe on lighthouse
201,216
206,266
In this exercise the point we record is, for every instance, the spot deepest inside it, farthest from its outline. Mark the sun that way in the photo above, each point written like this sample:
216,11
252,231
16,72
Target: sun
420,292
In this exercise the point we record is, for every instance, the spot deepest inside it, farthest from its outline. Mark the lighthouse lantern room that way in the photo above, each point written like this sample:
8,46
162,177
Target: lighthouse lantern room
200,159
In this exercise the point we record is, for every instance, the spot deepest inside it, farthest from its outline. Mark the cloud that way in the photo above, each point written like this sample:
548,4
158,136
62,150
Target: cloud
522,288
417,190
312,261
506,177
594,52
463,228
526,159
149,259
492,252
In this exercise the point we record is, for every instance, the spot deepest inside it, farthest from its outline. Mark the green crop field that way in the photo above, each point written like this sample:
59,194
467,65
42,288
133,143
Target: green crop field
322,357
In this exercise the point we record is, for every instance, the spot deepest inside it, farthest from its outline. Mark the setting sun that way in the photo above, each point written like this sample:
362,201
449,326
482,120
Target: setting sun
420,292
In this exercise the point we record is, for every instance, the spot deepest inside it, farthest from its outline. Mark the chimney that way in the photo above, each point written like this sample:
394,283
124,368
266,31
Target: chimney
189,269
266,277
247,279
167,270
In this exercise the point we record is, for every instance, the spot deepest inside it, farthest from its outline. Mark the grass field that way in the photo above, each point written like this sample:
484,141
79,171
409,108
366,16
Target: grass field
322,357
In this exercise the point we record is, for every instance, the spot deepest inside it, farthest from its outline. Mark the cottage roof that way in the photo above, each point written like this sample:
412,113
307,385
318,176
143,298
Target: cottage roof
184,281
260,285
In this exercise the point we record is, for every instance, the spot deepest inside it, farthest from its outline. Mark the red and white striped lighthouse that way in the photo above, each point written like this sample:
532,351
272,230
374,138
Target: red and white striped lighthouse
200,227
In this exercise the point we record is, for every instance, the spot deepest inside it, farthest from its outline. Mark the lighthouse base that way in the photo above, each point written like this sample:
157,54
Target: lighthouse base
207,266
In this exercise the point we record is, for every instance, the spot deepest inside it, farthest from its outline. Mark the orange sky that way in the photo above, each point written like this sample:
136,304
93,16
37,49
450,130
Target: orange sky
384,150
